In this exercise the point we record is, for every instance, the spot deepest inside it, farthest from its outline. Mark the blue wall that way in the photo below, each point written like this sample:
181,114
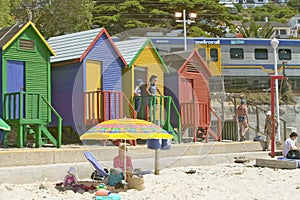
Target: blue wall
63,80
111,68
111,63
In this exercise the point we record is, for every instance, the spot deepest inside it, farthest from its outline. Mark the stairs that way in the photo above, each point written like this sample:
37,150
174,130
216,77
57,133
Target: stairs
29,114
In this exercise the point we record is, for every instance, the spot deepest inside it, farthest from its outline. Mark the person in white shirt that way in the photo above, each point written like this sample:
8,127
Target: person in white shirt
290,144
137,94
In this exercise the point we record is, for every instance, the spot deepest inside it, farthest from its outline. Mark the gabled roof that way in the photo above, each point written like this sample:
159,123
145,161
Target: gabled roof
177,61
77,45
9,34
131,49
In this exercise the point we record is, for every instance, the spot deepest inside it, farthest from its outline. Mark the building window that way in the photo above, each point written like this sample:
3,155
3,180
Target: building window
214,55
261,54
237,53
282,32
285,54
202,53
298,21
26,44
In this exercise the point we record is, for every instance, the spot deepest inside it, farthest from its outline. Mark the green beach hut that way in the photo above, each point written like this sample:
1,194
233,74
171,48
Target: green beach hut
25,85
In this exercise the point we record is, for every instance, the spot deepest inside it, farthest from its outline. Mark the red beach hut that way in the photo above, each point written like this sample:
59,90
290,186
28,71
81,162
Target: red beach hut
188,85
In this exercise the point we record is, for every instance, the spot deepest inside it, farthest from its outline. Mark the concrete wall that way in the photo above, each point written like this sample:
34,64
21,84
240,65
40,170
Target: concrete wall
289,113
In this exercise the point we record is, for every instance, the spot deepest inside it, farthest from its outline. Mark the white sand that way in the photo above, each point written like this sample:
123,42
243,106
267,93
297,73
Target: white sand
223,181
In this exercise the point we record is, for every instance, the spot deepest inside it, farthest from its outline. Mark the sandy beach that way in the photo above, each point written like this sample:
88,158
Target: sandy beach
222,181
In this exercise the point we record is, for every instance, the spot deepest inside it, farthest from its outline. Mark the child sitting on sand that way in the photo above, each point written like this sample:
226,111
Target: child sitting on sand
70,178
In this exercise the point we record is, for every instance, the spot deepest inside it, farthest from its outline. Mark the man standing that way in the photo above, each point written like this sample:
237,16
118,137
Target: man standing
242,119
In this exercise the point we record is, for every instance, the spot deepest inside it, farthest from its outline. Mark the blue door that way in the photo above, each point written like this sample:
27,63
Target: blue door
15,83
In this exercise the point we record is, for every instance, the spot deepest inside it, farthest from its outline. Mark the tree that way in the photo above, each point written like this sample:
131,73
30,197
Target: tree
119,16
294,4
125,14
6,18
253,30
211,15
274,12
61,17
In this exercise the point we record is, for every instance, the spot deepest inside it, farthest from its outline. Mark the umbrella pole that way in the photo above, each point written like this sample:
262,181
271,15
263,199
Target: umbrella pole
125,161
156,168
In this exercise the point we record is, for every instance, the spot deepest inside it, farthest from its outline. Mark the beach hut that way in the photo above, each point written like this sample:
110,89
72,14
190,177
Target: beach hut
188,85
144,61
86,79
25,84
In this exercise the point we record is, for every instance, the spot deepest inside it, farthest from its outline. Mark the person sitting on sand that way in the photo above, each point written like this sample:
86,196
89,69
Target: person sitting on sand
290,145
119,160
70,178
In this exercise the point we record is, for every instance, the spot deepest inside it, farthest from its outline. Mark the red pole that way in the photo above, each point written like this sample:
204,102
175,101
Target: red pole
272,114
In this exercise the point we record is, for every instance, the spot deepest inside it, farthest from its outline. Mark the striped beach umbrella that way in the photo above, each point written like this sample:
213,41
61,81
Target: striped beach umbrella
127,129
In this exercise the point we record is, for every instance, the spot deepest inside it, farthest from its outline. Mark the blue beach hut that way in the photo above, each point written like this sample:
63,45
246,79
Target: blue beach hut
86,78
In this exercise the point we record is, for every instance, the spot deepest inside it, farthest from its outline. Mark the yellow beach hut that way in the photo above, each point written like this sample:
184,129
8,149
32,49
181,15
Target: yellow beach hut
143,61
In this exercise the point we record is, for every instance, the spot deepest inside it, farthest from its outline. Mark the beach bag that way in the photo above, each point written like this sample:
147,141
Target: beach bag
135,182
115,177
293,154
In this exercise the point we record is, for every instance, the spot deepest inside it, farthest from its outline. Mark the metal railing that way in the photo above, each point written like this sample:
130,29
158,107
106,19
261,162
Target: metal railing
257,128
157,109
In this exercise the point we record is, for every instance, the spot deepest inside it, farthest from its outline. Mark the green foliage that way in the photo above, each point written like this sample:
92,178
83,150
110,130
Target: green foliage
274,12
119,16
252,30
294,4
68,16
5,17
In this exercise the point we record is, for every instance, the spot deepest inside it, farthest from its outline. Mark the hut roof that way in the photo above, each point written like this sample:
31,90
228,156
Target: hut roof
77,45
131,49
178,60
9,34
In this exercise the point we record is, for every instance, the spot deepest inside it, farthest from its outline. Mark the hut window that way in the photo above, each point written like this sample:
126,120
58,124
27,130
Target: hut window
192,68
26,44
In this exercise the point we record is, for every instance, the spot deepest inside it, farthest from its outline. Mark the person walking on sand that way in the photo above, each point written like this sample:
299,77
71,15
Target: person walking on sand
242,119
268,128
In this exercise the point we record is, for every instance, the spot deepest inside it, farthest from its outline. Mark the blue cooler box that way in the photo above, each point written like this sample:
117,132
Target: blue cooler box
154,143
109,197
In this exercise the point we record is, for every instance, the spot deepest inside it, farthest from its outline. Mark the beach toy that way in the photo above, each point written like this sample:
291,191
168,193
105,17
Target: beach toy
102,192
101,186
109,197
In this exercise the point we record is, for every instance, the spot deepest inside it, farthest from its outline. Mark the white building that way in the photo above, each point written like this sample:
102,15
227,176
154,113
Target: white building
294,22
248,3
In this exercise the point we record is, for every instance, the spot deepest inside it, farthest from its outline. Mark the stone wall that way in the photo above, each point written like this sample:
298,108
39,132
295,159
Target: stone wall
289,113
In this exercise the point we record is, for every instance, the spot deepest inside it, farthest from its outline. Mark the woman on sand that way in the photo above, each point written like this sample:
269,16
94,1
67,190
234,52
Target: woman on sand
119,159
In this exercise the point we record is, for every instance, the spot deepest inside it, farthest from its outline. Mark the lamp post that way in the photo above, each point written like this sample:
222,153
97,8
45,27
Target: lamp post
185,21
274,43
